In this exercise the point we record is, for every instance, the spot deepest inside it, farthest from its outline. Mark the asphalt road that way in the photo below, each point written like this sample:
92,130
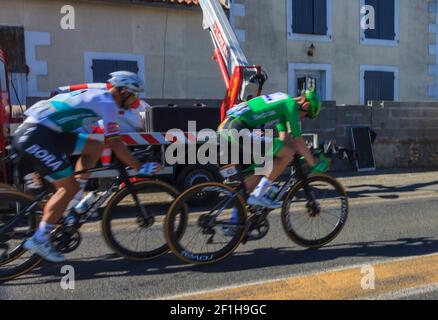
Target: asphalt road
388,227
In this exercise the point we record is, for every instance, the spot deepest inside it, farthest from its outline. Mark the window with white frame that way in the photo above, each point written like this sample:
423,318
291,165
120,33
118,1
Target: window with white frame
98,65
308,79
378,83
382,24
304,76
309,20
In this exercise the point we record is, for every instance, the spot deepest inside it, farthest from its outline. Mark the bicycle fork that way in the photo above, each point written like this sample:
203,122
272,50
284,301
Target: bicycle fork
145,219
312,205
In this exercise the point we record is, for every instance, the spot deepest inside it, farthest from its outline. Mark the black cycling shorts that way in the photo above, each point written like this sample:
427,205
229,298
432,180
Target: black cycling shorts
245,141
47,150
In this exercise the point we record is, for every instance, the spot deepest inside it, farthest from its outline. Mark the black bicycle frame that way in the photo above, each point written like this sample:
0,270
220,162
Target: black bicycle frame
301,175
123,177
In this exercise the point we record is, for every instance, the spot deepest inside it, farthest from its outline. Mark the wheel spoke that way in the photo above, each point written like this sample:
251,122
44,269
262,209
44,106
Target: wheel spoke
17,227
308,230
193,239
125,234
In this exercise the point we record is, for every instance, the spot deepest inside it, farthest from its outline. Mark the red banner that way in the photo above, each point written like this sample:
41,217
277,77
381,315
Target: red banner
2,55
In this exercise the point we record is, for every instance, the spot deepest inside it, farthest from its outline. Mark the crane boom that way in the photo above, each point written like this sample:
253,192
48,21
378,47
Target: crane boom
223,35
246,81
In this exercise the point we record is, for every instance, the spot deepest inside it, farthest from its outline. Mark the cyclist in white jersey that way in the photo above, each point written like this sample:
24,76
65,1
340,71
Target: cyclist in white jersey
47,139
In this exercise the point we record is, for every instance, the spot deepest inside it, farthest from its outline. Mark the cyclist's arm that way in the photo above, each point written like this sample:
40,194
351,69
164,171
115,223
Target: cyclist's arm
299,143
282,134
301,147
113,138
122,152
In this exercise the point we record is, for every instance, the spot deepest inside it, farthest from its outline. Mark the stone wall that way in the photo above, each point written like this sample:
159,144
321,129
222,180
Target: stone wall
407,132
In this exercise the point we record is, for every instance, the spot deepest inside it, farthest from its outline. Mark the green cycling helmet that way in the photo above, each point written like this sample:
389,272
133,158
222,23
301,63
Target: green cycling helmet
315,104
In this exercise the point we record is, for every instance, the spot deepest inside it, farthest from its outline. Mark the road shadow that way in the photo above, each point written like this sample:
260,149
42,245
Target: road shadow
381,191
379,172
111,266
266,257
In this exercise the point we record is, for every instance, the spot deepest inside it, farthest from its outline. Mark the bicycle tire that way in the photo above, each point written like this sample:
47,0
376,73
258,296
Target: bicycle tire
173,239
316,243
108,235
34,260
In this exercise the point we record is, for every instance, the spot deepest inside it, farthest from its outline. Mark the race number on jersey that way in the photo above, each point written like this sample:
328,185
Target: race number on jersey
238,110
275,97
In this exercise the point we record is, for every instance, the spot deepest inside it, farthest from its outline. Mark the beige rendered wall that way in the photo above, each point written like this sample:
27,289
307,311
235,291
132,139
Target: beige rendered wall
177,51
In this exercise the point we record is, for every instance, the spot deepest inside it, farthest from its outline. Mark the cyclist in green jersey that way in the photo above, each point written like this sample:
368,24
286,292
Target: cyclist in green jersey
286,112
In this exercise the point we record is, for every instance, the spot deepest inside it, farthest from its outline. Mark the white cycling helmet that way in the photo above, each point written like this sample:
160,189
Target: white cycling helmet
128,80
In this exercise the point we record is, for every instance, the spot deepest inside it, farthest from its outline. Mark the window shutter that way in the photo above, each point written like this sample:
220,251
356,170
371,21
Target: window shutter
371,86
379,85
386,21
320,17
127,66
373,33
102,69
302,16
387,86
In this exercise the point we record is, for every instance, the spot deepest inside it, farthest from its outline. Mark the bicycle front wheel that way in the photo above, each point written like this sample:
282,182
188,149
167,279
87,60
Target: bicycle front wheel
314,218
124,227
210,235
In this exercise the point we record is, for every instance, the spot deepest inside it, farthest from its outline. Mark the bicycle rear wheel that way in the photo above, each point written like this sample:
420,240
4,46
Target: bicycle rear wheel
209,236
126,231
315,222
14,259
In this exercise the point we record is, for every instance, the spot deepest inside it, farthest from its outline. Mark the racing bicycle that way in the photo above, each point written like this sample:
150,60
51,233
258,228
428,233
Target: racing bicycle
131,223
314,211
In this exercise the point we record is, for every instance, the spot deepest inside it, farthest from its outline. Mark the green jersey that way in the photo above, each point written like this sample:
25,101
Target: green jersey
277,107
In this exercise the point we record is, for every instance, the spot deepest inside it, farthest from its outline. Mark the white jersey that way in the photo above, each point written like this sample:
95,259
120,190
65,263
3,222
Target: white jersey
69,111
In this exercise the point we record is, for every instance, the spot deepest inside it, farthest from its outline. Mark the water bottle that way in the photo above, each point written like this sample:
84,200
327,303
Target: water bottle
85,203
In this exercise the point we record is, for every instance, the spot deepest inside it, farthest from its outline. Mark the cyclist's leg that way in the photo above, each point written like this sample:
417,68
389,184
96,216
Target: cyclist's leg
281,159
90,151
251,182
66,188
283,156
40,242
46,150
246,149
282,153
